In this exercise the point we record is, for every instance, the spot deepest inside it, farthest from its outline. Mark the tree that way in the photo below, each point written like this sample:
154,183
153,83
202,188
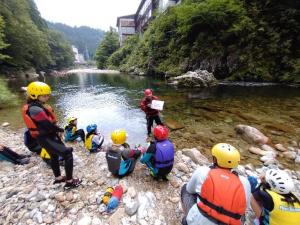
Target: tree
2,43
28,45
107,47
85,39
61,51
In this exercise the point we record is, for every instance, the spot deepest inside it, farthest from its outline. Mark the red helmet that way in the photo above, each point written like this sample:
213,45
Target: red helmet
148,92
161,132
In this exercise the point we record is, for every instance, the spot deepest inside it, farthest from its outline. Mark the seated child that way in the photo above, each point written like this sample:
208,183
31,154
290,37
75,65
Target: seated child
159,157
120,159
7,154
71,132
93,139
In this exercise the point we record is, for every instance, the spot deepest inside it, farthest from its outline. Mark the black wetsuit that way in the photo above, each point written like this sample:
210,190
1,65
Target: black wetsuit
48,138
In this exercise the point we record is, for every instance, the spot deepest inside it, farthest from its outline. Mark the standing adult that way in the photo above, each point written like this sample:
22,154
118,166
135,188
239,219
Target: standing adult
151,114
42,124
216,195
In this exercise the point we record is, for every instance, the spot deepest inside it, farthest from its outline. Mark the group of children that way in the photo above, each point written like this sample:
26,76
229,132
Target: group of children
121,160
43,137
214,195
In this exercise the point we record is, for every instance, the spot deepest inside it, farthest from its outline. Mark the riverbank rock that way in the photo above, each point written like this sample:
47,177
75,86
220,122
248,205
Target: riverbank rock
257,151
28,196
198,78
195,156
251,134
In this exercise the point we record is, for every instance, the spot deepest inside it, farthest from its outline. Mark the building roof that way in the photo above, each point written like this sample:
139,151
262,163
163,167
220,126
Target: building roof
125,17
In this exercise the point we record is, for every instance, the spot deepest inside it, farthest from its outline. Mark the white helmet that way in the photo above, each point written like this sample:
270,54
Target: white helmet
279,181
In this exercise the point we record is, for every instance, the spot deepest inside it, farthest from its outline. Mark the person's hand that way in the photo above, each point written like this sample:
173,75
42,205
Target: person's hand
262,178
149,105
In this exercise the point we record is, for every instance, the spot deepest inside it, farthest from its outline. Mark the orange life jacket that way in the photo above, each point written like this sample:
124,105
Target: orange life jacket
30,124
223,197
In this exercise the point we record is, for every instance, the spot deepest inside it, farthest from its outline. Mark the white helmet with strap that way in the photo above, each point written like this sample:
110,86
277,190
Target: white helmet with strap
279,181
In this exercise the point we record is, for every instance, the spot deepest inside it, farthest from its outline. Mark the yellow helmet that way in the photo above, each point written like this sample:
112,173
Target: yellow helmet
118,136
70,119
226,155
35,89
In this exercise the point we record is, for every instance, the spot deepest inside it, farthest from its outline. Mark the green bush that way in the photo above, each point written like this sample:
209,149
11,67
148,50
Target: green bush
237,40
7,99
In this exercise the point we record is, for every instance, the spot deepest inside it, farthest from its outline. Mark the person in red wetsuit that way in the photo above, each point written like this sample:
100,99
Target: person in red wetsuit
42,124
151,114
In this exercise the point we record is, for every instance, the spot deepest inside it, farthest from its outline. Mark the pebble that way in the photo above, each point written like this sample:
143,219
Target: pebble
60,197
182,167
280,147
5,124
131,192
290,155
174,199
85,220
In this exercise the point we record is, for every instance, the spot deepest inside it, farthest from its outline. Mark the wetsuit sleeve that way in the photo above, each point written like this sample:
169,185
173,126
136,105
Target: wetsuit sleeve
263,198
149,154
143,105
43,120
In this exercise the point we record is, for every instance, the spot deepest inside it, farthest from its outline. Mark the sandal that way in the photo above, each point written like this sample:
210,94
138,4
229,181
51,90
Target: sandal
73,184
63,179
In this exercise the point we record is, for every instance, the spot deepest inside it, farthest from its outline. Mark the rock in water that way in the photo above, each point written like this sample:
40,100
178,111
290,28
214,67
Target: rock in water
173,125
198,78
251,134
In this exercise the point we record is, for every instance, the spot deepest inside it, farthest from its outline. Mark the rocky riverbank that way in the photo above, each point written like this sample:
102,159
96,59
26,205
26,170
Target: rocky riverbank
27,195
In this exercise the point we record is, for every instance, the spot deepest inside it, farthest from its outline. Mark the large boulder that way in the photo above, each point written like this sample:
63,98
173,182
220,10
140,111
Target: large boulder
198,78
251,134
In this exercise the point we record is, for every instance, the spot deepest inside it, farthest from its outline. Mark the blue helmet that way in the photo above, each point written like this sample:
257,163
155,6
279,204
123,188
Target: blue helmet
90,128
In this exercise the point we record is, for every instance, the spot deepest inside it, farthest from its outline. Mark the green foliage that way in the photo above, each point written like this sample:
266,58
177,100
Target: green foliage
238,40
29,42
61,50
85,39
6,97
28,45
2,43
107,47
120,56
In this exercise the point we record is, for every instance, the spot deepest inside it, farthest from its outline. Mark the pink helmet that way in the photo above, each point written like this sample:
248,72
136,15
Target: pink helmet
148,92
161,132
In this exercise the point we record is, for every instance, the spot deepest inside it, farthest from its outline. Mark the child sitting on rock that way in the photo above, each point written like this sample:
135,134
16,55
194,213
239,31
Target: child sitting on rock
93,139
71,132
159,157
121,160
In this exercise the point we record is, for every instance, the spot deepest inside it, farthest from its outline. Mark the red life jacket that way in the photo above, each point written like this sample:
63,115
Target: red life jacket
223,197
30,124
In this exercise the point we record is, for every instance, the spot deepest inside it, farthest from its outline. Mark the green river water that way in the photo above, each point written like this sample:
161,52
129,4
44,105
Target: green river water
208,115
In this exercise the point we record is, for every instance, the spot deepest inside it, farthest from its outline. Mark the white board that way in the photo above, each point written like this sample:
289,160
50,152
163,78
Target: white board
158,105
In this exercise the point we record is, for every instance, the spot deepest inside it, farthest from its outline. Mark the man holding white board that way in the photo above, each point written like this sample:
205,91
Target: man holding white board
151,106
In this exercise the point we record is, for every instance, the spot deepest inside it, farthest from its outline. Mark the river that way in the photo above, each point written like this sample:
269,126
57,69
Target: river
208,115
